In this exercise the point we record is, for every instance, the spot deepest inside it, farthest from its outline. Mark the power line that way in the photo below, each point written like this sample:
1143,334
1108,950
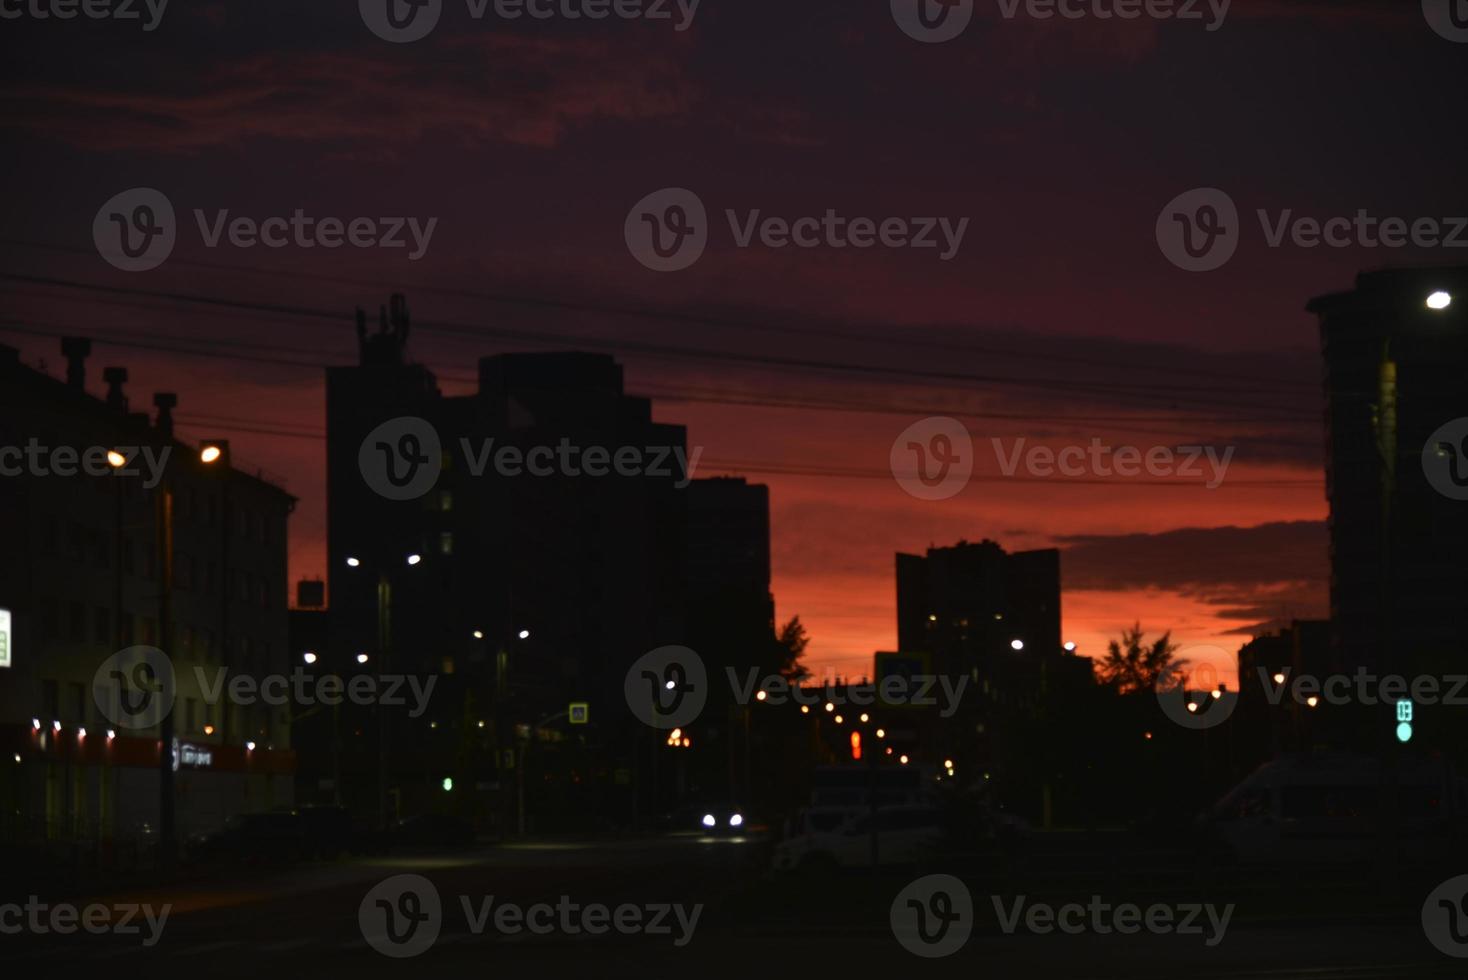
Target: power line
1148,392
675,316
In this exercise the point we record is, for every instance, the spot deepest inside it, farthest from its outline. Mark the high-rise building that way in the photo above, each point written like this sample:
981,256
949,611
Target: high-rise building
968,603
1396,359
549,555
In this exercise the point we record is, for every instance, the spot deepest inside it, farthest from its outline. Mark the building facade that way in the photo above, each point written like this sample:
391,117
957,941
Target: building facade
163,551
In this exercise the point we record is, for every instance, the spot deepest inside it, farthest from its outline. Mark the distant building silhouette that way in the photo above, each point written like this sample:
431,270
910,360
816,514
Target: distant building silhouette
596,566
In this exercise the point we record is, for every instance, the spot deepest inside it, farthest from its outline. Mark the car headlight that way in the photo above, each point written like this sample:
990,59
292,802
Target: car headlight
736,821
708,820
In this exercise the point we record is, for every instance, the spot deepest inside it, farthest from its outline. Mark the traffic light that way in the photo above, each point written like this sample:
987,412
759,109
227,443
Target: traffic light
856,746
1404,721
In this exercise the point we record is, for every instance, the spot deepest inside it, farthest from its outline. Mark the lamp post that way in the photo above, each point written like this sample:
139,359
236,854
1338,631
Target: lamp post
503,731
384,647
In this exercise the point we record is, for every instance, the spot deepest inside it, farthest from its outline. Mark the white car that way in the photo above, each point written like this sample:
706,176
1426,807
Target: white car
823,838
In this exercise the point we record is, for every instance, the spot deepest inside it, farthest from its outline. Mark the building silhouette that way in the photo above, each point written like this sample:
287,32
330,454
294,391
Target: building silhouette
82,579
1394,370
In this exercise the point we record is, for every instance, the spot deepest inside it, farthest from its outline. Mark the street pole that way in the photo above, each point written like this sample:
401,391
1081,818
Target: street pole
384,642
166,801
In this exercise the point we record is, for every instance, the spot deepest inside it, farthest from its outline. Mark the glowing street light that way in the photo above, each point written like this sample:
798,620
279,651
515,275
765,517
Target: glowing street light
115,459
1016,644
414,559
353,563
309,657
1070,647
524,634
1439,300
361,658
210,454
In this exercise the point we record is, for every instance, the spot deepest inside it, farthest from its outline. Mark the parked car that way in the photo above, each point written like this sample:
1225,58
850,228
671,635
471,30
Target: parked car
825,838
332,831
432,830
271,837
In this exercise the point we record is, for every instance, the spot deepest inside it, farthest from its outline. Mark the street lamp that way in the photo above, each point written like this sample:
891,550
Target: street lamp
384,647
1439,300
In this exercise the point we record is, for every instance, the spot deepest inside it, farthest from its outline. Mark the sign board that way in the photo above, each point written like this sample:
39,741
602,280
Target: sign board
578,712
4,637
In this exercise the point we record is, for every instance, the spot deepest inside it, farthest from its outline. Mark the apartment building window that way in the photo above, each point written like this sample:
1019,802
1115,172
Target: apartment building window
446,500
51,698
76,542
446,543
76,614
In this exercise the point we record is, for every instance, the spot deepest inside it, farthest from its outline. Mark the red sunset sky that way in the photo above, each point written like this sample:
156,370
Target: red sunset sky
1058,321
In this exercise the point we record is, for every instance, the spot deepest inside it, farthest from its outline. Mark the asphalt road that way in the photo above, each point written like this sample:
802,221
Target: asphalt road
673,907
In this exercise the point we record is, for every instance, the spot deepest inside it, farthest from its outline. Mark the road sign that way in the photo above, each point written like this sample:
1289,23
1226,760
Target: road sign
4,637
578,712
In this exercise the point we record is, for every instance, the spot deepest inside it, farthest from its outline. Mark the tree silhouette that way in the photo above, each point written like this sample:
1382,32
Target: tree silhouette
1131,665
790,644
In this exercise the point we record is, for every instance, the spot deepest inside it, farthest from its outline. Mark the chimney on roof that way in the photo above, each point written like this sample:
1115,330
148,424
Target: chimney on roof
165,402
115,377
76,350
